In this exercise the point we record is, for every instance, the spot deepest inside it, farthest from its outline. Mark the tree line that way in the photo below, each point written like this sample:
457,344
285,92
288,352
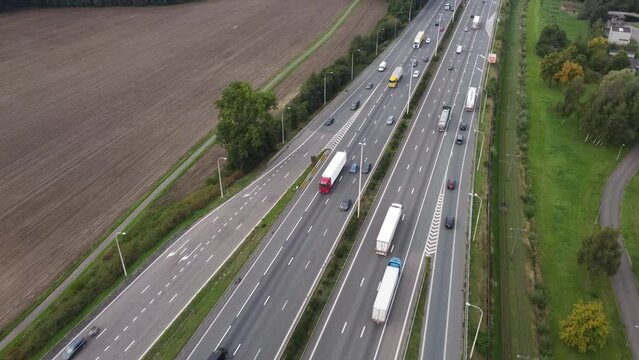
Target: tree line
13,4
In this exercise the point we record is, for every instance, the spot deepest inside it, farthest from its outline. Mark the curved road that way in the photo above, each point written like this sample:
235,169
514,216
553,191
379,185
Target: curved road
624,282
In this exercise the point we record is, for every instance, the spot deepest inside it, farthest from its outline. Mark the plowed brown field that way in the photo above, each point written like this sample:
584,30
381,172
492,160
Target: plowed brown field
96,104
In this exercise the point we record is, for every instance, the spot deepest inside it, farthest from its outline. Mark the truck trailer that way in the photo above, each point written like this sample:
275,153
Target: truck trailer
386,233
444,117
470,99
418,40
476,20
330,174
387,290
395,77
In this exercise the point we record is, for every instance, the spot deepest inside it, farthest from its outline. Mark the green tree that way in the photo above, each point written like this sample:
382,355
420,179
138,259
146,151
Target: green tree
572,93
600,252
551,64
619,62
247,130
586,328
598,60
552,38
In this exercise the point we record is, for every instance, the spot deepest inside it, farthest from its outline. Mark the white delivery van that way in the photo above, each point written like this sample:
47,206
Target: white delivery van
382,66
459,49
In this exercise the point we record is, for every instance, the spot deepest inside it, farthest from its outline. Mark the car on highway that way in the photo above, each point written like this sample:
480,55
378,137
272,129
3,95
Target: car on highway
427,40
366,168
449,223
413,62
329,121
353,169
466,29
459,140
390,120
355,105
450,66
436,24
344,205
219,354
450,184
426,58
416,73
74,348
369,86
463,126
442,28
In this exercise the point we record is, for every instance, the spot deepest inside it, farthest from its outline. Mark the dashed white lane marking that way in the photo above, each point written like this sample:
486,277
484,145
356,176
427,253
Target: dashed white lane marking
325,230
362,333
226,223
354,180
399,189
361,282
135,318
125,329
392,247
263,199
219,230
326,202
415,147
272,261
307,264
144,289
376,140
238,226
286,175
173,298
167,285
290,261
423,129
427,148
420,169
174,276
105,329
412,191
116,338
209,259
151,301
107,348
285,302
267,299
344,327
217,217
309,229
247,299
238,348
258,352
182,269
128,347
340,178
143,310
407,166
223,336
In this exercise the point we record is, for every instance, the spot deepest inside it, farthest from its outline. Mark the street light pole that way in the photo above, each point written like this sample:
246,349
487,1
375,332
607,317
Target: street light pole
283,111
439,21
619,153
352,61
410,10
120,251
377,40
478,214
219,175
361,163
330,72
396,18
478,325
410,86
480,148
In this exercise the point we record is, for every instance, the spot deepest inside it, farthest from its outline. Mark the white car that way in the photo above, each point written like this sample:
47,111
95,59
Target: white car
427,40
416,73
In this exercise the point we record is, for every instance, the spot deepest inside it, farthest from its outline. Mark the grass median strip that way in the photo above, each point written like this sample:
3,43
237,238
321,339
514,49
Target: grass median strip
178,334
412,350
630,222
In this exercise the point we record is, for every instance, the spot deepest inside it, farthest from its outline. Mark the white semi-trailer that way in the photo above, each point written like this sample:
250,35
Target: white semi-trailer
418,40
470,99
329,176
386,233
444,117
476,20
387,290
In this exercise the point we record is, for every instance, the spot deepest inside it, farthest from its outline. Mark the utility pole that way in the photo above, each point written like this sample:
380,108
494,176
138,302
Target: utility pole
518,232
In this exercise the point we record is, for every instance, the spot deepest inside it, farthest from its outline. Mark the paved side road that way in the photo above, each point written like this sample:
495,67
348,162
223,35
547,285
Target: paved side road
624,282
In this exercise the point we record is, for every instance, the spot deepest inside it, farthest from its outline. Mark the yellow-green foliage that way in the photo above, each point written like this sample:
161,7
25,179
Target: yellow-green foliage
586,328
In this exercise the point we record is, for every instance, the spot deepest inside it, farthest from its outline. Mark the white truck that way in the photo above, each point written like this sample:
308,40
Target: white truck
476,20
330,174
444,117
470,99
386,233
418,40
387,290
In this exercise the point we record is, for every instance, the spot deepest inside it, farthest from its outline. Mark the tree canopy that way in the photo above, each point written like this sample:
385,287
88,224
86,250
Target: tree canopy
586,328
246,129
612,112
569,71
552,38
600,252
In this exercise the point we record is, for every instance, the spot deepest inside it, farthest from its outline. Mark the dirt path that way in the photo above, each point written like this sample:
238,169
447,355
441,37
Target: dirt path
96,104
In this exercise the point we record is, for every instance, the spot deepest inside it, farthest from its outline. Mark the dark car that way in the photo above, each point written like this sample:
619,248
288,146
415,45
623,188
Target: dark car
219,354
355,105
413,62
436,24
449,222
329,122
369,86
450,67
463,126
344,205
426,59
459,140
353,169
442,28
74,348
450,184
367,168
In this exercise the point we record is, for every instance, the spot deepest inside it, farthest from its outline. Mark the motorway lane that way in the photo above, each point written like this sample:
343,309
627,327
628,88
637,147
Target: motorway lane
136,318
352,334
248,322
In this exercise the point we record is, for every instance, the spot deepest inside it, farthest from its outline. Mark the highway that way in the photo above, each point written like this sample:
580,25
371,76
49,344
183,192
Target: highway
255,319
152,299
417,181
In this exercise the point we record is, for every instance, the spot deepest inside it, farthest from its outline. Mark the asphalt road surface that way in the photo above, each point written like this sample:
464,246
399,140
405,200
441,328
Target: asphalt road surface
138,316
418,182
255,319
624,282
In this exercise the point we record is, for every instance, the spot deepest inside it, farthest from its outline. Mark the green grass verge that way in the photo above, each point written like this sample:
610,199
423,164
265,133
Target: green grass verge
630,222
178,334
295,63
568,178
415,337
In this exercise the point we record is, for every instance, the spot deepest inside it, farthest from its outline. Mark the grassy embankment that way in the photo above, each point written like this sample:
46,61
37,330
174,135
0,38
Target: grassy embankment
568,177
630,222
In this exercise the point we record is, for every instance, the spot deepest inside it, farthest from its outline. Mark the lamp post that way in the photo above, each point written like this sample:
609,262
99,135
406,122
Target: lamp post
410,86
283,111
120,251
480,148
361,163
397,17
478,325
353,61
619,153
377,40
410,10
478,213
219,175
439,21
330,72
